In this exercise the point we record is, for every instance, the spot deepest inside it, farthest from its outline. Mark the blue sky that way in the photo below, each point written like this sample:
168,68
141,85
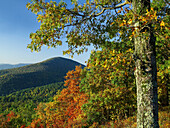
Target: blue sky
16,23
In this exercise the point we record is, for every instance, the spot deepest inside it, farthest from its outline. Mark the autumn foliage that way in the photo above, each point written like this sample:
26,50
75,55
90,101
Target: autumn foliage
104,93
10,120
65,111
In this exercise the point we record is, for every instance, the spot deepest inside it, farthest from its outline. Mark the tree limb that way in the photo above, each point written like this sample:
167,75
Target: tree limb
76,13
110,8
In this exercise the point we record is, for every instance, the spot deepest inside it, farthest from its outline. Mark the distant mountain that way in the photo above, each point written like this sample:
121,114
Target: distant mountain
47,72
9,66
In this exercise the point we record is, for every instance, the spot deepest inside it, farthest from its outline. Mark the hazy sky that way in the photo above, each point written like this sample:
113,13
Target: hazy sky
16,23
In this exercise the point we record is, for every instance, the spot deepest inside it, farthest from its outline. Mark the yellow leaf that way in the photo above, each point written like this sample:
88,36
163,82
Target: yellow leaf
121,32
130,37
144,19
133,33
113,51
130,21
147,12
151,9
162,23
62,26
129,50
68,52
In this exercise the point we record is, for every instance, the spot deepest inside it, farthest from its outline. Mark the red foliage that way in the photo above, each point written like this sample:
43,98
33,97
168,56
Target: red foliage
23,126
65,111
72,97
5,120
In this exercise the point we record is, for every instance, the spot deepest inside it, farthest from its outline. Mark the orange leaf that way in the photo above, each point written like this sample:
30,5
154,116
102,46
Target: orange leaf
119,11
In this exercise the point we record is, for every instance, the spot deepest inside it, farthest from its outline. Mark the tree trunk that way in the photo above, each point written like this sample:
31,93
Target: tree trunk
145,73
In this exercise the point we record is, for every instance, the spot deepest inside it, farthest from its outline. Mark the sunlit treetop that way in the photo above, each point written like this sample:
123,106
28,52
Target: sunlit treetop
97,22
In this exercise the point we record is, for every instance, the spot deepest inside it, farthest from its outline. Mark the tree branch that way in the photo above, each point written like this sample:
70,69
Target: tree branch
110,8
76,13
87,17
118,6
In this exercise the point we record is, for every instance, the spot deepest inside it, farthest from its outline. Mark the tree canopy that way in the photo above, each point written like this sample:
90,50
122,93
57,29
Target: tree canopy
141,26
96,22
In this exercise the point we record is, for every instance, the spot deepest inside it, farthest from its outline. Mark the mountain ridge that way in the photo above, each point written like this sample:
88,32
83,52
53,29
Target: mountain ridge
10,66
46,72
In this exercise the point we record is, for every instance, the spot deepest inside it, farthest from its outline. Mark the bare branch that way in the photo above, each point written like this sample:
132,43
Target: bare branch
110,8
118,6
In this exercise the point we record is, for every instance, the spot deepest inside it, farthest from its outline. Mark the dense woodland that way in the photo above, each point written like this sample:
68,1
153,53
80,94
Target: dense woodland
24,101
133,37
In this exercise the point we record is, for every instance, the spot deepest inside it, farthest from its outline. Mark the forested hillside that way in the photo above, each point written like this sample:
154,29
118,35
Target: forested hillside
24,101
46,72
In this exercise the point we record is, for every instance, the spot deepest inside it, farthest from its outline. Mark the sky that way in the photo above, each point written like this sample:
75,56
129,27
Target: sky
16,24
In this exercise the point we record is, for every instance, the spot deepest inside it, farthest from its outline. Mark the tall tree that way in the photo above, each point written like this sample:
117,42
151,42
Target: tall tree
146,72
99,22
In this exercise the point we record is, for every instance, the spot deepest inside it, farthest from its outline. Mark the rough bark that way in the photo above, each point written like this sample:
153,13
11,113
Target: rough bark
146,73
